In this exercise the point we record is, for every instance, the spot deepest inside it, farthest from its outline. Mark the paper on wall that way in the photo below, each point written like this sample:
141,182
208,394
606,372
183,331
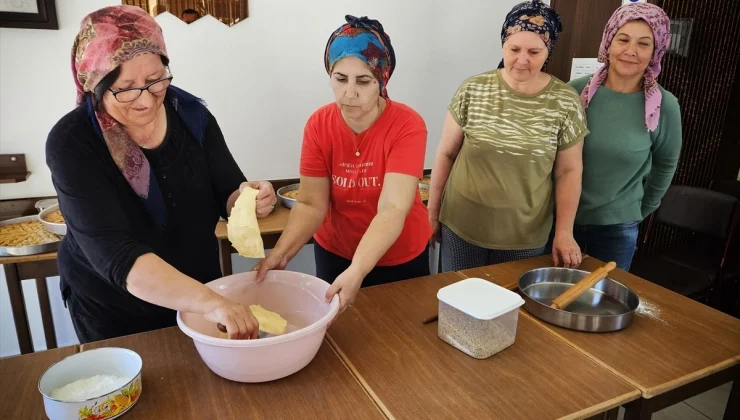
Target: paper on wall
584,67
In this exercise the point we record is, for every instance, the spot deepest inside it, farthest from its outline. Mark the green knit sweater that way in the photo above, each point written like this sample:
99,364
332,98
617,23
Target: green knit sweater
626,169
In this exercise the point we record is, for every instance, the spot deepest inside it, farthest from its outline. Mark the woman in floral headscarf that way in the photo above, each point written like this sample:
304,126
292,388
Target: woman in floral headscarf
361,161
631,154
142,173
508,134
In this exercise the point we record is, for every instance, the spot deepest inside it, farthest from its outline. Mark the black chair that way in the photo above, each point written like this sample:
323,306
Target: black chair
729,186
732,270
696,269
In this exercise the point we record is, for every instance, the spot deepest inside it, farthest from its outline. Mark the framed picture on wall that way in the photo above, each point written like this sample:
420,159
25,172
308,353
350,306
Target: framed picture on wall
28,14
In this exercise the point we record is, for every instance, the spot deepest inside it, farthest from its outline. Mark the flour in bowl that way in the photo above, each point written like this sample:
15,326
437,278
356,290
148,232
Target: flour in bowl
88,388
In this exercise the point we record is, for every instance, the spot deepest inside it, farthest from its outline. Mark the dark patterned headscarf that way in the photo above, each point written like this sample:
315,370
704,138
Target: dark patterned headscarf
365,39
533,16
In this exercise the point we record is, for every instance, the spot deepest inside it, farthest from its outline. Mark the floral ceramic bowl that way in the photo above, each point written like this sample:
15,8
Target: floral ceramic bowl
121,363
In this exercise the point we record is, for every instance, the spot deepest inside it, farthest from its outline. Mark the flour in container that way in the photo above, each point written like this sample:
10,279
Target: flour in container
89,388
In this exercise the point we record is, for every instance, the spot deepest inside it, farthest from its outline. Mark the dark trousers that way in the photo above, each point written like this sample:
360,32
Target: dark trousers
329,266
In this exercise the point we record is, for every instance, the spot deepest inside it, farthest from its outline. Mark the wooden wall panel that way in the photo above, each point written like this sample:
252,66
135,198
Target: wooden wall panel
583,25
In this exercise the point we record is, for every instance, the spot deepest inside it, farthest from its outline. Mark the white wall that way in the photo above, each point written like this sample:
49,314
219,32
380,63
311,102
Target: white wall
261,78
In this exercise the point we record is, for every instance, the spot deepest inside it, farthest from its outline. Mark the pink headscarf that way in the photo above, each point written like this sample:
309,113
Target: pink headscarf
109,37
660,24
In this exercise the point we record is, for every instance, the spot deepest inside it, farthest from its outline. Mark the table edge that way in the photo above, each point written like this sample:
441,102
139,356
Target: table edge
605,406
690,378
358,377
651,392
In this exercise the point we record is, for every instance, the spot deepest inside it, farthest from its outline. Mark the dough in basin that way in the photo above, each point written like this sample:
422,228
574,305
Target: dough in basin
270,322
243,229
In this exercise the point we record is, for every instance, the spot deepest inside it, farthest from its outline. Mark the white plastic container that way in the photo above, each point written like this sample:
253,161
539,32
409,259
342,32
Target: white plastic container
478,317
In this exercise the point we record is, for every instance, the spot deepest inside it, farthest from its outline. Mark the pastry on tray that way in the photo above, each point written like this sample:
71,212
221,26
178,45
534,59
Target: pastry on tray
54,217
26,234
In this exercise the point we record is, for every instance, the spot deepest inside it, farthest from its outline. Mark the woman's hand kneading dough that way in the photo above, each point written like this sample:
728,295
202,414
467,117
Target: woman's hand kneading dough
239,321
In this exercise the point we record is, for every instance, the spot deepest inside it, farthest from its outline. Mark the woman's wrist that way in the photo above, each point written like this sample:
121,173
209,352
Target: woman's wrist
209,301
357,271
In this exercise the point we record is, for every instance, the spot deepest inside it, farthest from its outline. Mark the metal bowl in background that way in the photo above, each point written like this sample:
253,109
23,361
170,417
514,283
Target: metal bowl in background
56,228
290,202
608,306
44,203
18,251
286,201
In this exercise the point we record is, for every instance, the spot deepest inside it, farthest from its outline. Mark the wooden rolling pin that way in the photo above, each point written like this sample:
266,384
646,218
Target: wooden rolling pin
575,291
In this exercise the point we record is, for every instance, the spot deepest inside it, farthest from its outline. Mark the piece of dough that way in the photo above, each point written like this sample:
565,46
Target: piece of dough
243,229
270,322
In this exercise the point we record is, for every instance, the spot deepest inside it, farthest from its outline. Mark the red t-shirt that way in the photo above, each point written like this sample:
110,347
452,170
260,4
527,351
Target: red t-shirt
396,143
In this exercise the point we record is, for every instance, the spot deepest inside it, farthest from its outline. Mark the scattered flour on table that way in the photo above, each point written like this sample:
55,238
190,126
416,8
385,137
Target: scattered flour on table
88,388
650,309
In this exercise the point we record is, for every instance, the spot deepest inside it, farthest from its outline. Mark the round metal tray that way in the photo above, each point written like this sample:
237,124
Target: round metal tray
18,251
285,201
608,306
57,228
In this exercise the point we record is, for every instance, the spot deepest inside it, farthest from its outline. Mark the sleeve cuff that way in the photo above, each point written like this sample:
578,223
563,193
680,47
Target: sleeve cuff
647,209
455,117
126,262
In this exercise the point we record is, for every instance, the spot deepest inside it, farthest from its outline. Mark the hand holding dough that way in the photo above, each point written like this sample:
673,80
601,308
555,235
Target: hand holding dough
270,322
243,229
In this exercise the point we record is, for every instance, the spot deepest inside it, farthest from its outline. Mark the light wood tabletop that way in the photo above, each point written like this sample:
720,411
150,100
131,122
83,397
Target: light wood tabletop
414,374
672,341
178,385
19,381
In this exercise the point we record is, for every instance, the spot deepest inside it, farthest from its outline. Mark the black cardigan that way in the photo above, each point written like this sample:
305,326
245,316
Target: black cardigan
108,227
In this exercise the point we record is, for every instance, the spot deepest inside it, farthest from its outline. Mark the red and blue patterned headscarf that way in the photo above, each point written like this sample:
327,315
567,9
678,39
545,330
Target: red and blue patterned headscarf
365,39
533,16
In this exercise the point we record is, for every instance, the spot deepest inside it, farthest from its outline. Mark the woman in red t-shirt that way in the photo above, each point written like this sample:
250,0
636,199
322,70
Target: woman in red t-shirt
361,161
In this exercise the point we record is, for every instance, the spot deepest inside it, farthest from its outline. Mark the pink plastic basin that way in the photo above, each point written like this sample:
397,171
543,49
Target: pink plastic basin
297,297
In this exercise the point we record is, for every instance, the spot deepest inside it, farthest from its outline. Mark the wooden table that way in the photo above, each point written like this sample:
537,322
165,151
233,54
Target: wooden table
178,385
413,374
675,348
19,380
42,266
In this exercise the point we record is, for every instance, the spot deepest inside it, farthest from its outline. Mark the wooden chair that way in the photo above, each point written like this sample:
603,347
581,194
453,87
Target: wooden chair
15,273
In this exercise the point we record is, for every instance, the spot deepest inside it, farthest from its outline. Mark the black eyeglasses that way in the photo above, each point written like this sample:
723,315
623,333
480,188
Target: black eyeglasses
132,94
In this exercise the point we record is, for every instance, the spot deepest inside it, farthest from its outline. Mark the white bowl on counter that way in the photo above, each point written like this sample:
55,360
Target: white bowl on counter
56,228
297,297
105,361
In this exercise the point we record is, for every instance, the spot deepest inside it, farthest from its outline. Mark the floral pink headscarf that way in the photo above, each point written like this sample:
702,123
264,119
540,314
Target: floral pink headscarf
660,24
109,37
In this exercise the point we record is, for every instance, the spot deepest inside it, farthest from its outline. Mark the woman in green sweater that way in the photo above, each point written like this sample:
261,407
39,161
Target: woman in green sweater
631,153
